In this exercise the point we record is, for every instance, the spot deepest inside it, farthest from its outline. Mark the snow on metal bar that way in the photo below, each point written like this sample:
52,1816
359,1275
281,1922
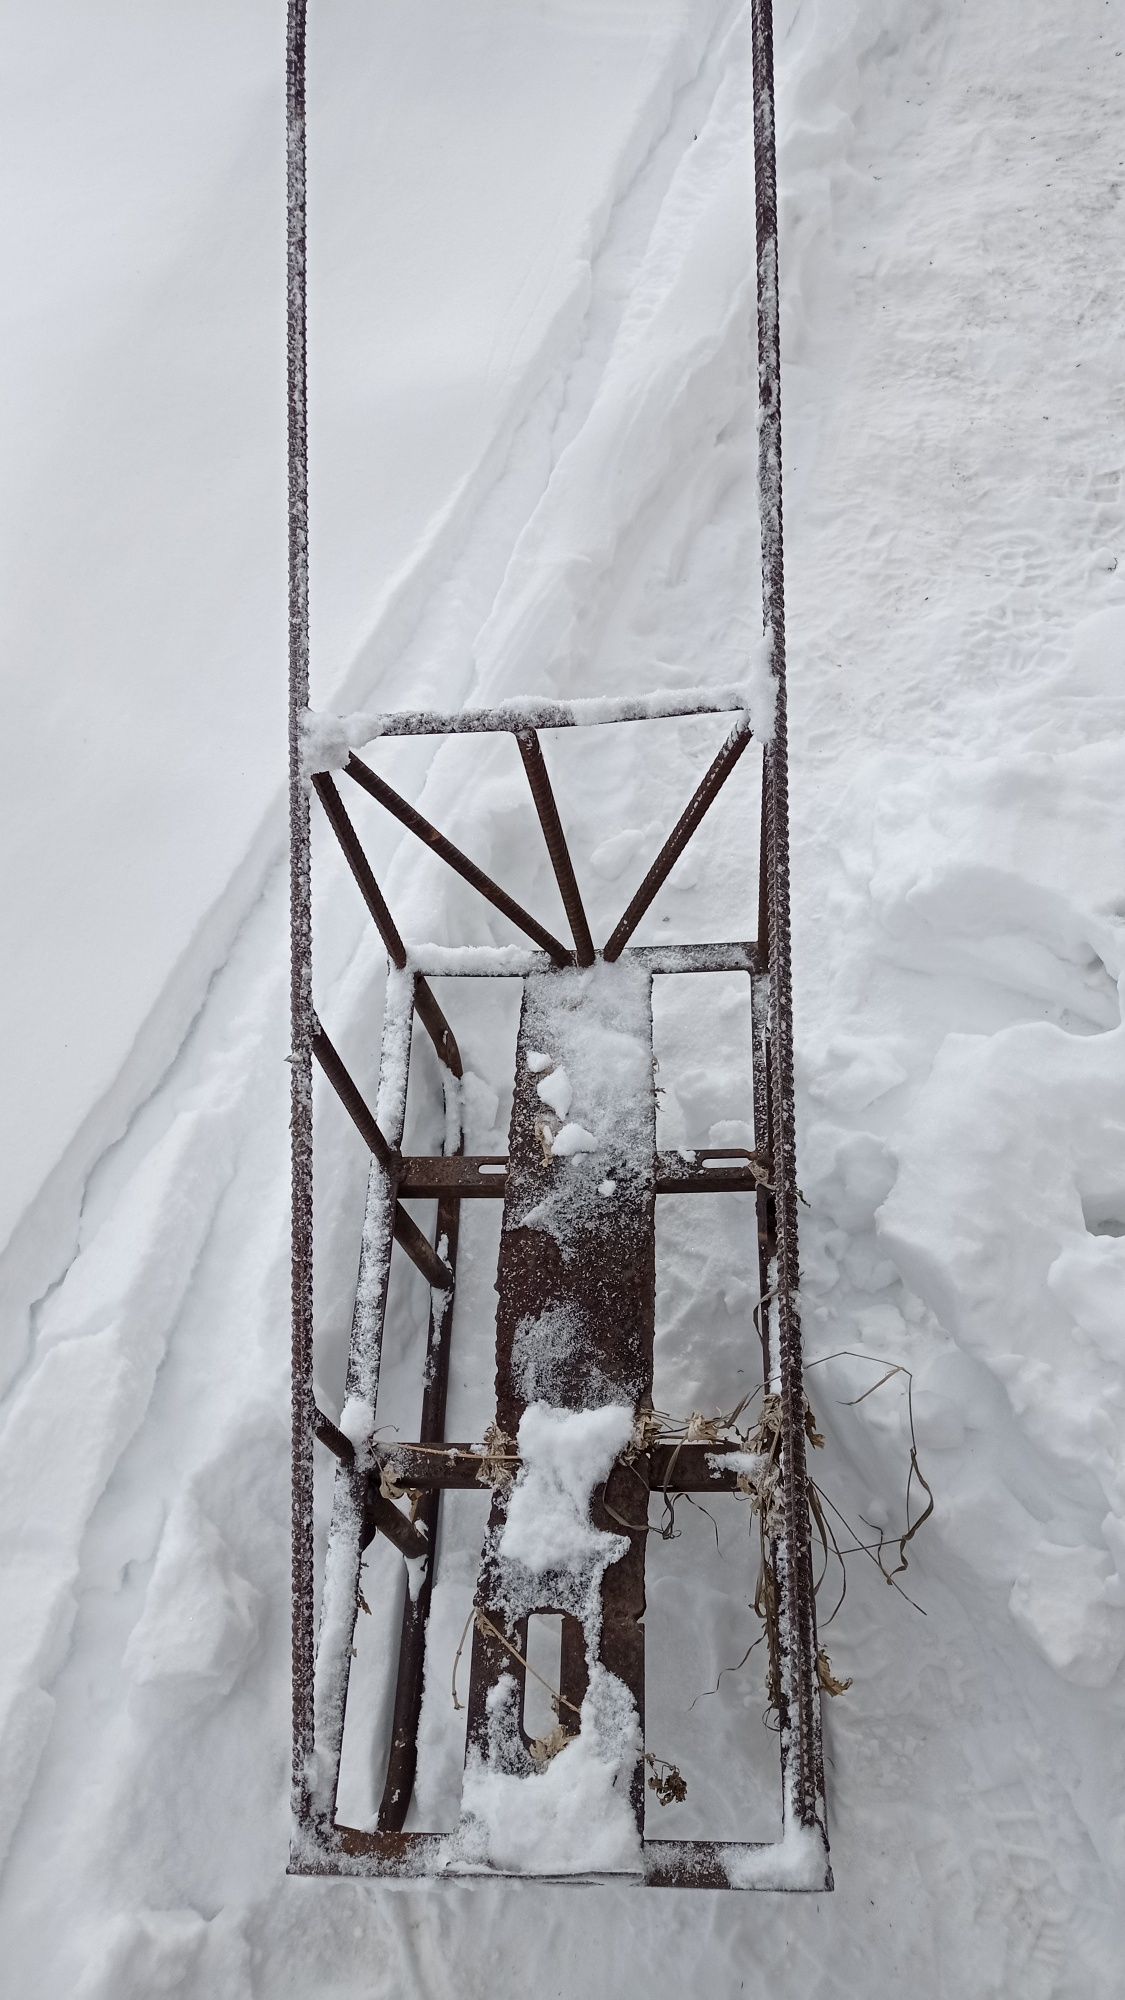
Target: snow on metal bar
514,961
794,1863
328,739
344,1547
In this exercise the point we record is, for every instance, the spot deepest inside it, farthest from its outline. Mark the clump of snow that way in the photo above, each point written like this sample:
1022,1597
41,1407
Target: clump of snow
556,1092
325,742
201,1619
538,1061
611,857
416,1569
598,1025
573,1139
746,1464
573,1812
357,1420
565,1454
572,1817
1072,1607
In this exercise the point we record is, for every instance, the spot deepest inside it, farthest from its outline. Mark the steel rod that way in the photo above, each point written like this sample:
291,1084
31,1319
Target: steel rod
420,1250
799,1716
352,1099
672,1468
339,1603
436,1026
425,1005
460,863
510,717
541,791
300,930
338,820
406,1231
700,802
382,1517
328,1433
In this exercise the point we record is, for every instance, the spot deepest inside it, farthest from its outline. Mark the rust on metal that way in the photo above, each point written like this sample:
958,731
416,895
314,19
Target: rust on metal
544,797
382,1517
428,1011
518,716
326,1432
592,1264
483,1177
352,1099
337,817
406,1230
673,1467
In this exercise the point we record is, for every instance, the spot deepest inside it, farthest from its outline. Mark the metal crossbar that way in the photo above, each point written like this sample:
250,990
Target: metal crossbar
606,1286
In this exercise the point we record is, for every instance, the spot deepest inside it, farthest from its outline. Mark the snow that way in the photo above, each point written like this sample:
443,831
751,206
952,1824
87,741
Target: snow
574,1816
565,1454
328,740
533,436
201,1620
539,1359
556,1092
573,1139
357,1420
597,1022
416,1569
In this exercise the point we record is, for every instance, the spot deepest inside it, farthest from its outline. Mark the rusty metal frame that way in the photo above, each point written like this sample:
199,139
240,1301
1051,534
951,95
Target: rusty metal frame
367,1477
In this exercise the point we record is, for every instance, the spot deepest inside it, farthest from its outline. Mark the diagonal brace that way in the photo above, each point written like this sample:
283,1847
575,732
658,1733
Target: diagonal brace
406,1231
460,863
700,802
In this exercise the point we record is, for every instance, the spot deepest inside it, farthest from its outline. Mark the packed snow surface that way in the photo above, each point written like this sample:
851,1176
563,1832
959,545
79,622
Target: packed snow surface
533,434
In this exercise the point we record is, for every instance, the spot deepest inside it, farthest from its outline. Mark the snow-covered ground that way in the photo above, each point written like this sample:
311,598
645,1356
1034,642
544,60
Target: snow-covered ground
532,438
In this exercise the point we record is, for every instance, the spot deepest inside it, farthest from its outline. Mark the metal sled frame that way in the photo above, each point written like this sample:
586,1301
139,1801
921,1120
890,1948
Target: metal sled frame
609,1285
